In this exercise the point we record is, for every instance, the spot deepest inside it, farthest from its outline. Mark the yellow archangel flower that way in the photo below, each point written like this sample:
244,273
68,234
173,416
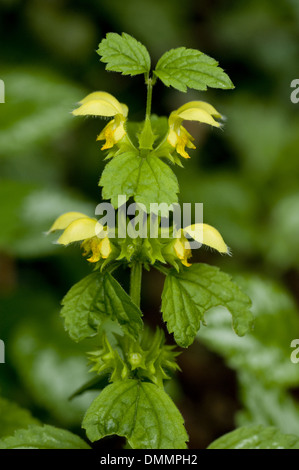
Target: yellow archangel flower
103,104
79,227
202,233
182,249
178,137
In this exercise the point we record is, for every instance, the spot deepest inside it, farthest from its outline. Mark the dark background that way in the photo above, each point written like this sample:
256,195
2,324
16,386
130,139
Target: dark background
246,176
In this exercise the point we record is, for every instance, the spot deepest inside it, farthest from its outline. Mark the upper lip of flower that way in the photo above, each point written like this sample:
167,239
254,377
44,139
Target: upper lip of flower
76,227
199,111
79,227
100,103
207,235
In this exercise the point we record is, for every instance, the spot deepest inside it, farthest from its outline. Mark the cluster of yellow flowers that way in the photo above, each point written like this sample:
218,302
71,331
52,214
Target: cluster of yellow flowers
94,237
103,104
78,227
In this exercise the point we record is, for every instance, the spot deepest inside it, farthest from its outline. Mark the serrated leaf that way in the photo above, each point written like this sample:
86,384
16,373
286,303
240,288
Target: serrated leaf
140,411
256,437
13,417
187,295
182,68
147,179
96,297
123,53
43,437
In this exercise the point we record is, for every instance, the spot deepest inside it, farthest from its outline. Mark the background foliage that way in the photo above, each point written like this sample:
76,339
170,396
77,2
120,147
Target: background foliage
246,176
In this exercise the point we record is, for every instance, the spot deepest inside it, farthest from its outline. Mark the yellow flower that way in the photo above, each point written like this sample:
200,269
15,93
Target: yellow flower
113,132
178,137
99,248
182,250
202,233
207,235
179,248
79,227
103,104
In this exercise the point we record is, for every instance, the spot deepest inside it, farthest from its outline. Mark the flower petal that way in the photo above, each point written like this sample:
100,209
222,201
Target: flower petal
172,138
200,115
66,219
101,103
95,249
105,247
125,109
80,229
182,251
207,235
104,96
195,111
96,108
179,140
200,105
182,143
112,133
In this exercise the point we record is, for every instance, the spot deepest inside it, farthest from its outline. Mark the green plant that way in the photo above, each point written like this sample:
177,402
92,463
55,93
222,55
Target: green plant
132,362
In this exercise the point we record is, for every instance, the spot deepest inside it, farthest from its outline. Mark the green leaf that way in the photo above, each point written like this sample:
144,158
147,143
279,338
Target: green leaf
182,68
140,411
256,437
43,437
147,179
13,417
187,295
96,297
123,53
265,351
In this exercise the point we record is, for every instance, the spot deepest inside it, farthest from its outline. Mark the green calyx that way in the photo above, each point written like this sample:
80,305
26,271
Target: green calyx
150,251
149,359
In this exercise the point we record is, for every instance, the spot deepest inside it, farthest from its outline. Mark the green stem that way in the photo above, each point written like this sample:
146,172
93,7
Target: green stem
146,137
149,83
110,268
162,269
135,282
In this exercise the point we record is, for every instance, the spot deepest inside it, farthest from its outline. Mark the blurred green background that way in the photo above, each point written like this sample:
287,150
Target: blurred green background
247,177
